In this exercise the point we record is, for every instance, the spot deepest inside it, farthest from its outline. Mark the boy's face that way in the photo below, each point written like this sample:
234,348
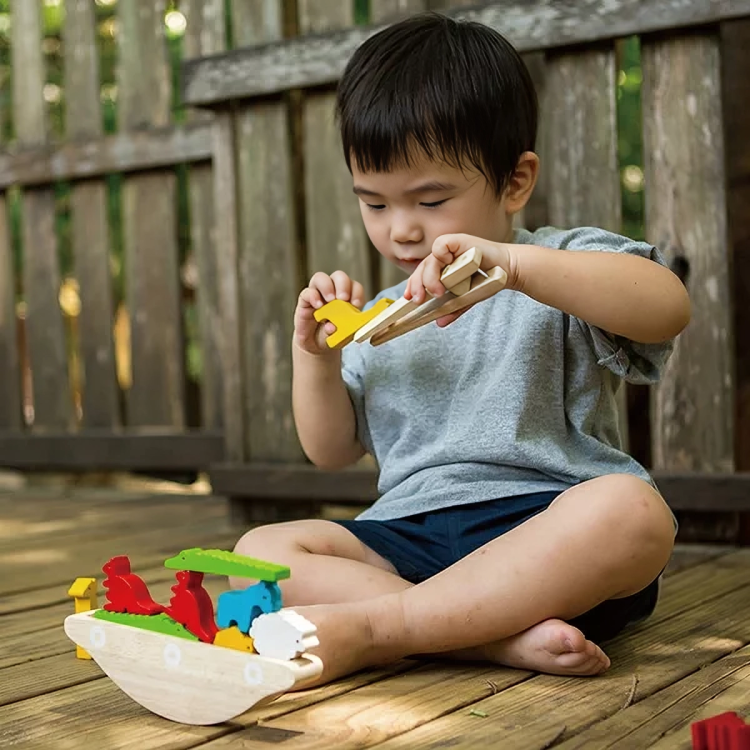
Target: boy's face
405,210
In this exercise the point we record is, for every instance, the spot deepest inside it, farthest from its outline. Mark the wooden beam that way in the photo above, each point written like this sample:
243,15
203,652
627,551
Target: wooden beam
318,59
94,157
705,492
292,483
99,450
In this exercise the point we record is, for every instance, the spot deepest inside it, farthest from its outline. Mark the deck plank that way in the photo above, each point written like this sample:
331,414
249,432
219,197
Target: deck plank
548,708
51,551
691,659
735,697
645,722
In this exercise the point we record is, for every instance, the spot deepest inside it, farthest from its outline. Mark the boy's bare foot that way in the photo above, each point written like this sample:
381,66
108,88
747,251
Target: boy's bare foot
552,647
347,645
346,642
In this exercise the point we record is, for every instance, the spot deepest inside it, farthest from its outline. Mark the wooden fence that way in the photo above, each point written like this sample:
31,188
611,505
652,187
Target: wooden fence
142,423
270,202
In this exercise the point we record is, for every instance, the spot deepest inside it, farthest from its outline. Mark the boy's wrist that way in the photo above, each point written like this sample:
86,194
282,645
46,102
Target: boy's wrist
510,258
327,360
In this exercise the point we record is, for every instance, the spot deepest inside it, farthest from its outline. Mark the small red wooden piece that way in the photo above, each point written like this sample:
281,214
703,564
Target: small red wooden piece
192,607
127,592
726,731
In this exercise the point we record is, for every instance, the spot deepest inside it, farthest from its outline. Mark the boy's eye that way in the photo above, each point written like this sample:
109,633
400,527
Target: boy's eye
374,208
435,204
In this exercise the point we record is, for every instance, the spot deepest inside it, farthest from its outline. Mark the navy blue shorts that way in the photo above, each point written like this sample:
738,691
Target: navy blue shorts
422,545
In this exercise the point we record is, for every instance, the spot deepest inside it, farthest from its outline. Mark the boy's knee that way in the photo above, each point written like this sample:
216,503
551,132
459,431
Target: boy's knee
276,537
275,542
640,512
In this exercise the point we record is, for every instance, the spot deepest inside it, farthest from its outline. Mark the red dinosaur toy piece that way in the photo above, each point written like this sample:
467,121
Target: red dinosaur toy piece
726,731
126,592
192,607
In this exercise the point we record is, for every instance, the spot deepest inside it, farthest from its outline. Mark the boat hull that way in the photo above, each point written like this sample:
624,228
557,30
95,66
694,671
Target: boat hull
182,680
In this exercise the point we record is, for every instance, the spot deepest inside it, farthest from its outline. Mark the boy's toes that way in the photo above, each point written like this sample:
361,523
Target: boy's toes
553,647
590,661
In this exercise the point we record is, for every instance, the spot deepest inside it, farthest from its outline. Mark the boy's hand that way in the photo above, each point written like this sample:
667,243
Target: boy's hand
445,250
309,335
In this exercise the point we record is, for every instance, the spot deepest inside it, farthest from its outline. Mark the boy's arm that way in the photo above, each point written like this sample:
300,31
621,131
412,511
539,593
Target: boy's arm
626,295
323,412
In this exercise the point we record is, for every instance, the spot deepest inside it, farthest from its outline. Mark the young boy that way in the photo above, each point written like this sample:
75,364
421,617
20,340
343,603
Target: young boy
511,526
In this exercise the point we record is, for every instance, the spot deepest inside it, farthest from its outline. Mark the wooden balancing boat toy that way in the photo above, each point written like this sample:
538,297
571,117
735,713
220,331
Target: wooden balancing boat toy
181,661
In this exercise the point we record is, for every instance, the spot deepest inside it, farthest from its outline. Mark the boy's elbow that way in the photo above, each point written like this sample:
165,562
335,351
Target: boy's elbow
335,460
681,312
672,319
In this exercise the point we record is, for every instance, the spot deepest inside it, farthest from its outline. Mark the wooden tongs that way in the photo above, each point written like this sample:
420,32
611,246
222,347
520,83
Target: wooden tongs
465,282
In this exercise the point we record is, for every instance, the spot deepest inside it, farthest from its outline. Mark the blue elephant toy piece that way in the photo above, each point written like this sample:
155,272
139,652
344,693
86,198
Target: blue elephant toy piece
242,606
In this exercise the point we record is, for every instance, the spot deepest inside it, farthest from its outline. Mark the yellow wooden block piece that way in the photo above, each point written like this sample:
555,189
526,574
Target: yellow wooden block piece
83,591
234,638
347,318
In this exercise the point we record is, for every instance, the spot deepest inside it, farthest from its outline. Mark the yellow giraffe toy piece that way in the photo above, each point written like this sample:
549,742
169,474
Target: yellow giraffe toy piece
234,638
348,319
83,591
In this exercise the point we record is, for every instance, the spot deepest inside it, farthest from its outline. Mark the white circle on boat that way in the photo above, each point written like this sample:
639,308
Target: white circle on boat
172,655
96,636
253,674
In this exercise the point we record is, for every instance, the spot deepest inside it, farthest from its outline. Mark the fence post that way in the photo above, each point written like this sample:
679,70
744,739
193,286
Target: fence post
45,332
735,57
157,393
90,231
205,35
692,409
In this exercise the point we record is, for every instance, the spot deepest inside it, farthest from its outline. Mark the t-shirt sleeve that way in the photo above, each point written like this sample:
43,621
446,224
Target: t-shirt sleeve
633,361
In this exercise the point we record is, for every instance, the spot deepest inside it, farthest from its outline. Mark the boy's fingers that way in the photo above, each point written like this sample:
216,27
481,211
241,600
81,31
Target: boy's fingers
448,247
342,284
323,283
358,294
310,298
448,319
433,268
414,286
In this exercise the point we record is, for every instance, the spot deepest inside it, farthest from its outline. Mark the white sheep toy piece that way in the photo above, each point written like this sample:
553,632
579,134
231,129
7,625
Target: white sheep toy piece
283,635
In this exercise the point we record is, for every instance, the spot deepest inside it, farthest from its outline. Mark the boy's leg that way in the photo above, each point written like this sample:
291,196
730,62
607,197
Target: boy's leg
603,539
328,563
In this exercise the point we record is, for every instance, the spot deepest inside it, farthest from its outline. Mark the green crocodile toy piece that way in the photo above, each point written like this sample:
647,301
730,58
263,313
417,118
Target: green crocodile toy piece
222,563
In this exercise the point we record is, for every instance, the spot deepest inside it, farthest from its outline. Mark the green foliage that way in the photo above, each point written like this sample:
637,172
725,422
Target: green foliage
630,140
361,11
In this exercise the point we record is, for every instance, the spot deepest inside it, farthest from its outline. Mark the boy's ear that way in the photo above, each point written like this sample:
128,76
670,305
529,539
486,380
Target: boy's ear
522,182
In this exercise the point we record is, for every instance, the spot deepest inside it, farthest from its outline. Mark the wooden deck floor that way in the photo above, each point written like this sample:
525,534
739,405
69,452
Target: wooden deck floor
691,661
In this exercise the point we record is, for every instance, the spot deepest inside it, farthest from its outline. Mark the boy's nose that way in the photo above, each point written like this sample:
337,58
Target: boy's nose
405,230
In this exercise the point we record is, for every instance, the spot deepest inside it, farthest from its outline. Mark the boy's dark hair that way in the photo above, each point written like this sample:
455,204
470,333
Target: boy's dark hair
457,90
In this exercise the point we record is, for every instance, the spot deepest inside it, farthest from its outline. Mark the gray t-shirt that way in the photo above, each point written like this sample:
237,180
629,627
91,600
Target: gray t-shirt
513,397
